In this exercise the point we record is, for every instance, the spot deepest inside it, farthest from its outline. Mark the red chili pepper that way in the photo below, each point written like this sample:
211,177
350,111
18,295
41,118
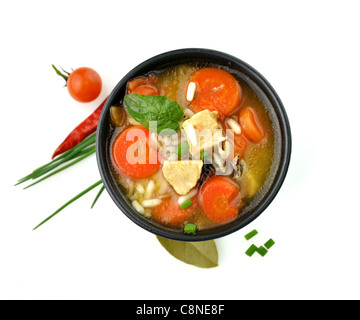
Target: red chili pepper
83,130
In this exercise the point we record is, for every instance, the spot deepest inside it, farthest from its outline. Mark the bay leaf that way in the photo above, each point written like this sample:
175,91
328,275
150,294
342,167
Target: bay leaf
202,254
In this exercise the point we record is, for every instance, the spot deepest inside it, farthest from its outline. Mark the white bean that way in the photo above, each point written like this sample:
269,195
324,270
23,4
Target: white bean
140,188
138,207
149,189
234,125
191,91
192,134
151,203
191,194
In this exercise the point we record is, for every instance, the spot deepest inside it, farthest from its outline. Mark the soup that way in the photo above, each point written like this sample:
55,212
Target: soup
192,146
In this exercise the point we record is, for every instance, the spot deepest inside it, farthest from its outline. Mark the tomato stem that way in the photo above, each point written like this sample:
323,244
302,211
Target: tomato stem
65,77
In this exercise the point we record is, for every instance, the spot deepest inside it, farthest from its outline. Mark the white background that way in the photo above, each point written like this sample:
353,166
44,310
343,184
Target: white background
308,50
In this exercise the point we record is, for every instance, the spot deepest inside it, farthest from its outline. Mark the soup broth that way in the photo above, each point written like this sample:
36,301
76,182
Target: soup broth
183,187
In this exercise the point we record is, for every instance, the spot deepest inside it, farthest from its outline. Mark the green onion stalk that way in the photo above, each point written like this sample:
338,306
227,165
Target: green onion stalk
66,160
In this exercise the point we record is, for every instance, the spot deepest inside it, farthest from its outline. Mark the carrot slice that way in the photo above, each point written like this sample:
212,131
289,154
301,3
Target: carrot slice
240,141
132,154
240,144
145,90
216,90
143,85
251,125
170,213
220,199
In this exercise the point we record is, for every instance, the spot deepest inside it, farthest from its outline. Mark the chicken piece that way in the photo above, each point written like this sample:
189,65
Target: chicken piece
203,124
182,175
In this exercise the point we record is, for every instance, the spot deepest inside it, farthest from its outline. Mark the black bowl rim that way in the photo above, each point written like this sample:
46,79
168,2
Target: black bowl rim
286,146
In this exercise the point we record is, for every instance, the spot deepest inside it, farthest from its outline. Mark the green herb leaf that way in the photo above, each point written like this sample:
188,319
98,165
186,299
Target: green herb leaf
146,108
200,254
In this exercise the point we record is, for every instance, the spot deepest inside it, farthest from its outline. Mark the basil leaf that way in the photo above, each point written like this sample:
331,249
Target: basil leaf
200,254
146,108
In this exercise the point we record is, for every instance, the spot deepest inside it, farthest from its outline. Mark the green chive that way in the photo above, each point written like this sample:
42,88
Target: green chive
251,250
190,228
67,156
261,251
183,149
251,234
90,152
186,204
86,147
98,196
69,202
269,244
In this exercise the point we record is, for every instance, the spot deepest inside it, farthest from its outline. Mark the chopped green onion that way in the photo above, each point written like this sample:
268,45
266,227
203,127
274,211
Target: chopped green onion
251,250
190,228
261,251
269,244
186,204
203,155
251,234
183,149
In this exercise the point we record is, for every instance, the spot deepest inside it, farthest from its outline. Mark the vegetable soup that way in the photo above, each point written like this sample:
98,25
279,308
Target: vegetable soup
191,146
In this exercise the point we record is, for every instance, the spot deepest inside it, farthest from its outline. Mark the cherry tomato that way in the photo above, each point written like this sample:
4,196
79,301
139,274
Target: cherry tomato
84,84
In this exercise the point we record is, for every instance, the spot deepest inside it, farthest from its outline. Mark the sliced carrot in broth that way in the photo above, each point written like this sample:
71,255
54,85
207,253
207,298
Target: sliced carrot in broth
251,125
240,141
220,199
145,90
135,161
143,85
216,90
170,213
240,144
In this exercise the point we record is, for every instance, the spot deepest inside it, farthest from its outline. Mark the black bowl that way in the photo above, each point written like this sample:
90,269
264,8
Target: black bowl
264,91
